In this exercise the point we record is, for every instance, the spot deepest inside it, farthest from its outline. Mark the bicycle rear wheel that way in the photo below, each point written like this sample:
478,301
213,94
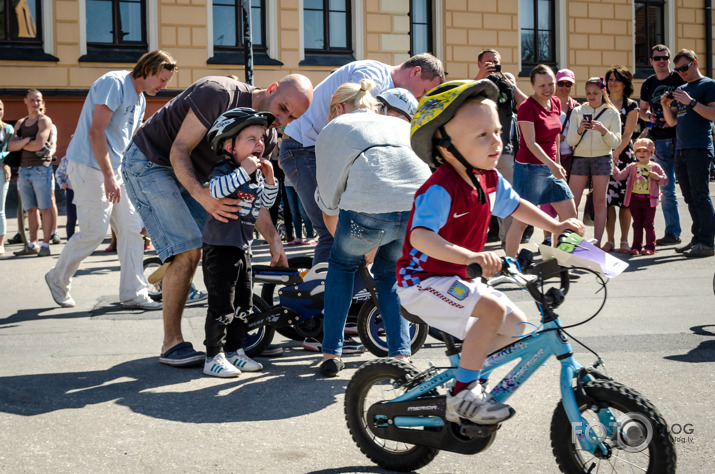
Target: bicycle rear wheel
269,294
639,441
371,330
379,380
259,339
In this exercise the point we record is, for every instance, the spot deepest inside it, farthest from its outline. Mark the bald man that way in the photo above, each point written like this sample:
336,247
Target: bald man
165,168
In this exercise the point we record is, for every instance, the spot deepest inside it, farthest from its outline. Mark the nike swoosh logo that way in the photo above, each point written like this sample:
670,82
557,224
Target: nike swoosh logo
455,215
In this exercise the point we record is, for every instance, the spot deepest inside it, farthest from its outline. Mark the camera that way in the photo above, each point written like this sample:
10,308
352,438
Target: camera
497,68
669,95
587,117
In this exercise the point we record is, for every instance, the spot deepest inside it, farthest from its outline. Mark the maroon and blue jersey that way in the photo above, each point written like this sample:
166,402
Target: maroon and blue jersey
449,206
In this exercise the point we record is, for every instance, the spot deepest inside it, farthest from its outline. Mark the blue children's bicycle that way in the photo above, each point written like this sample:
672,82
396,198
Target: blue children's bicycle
396,415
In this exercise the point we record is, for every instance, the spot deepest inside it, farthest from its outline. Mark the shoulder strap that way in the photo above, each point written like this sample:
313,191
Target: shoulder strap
566,120
586,131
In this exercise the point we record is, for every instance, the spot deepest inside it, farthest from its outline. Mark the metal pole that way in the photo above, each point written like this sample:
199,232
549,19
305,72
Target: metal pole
247,40
708,38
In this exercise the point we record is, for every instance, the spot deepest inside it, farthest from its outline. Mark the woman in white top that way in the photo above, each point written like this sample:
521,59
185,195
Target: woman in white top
598,133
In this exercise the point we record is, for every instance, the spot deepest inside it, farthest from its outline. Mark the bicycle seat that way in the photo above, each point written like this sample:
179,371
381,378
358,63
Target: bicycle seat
411,317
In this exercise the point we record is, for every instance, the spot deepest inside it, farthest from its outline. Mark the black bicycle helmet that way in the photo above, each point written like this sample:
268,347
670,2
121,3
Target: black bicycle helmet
230,123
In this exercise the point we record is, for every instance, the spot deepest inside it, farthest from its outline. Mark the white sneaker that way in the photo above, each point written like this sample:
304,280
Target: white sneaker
144,303
60,296
240,360
477,406
218,366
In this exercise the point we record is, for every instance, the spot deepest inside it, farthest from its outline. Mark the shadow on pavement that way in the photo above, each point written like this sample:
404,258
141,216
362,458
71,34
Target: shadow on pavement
705,352
146,387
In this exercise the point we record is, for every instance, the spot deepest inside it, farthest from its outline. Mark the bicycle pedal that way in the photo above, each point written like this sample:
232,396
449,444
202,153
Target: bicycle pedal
473,430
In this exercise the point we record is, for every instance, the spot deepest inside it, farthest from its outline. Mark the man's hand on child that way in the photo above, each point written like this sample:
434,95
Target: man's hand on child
221,209
489,261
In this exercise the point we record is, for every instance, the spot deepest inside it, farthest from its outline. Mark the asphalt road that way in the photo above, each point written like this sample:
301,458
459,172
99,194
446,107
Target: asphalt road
81,389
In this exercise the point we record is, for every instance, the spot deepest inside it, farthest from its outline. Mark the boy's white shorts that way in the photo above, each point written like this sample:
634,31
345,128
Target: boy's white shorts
446,303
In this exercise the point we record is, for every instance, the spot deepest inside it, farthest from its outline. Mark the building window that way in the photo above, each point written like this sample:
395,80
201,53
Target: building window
228,25
420,27
327,26
650,29
116,24
538,36
21,22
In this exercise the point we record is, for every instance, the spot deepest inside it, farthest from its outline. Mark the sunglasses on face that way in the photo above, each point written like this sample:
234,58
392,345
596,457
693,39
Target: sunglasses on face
684,68
564,84
661,58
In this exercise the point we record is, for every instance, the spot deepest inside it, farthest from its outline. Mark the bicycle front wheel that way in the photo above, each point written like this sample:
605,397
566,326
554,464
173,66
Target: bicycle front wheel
378,380
151,265
638,441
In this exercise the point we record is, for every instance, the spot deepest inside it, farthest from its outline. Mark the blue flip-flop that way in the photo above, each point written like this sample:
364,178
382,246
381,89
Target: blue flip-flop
182,355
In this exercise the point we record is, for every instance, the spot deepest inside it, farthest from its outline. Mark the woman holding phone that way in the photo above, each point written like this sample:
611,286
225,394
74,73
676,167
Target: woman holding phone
538,175
597,134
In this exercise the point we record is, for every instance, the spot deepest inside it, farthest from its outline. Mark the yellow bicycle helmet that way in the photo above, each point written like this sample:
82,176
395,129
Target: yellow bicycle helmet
437,108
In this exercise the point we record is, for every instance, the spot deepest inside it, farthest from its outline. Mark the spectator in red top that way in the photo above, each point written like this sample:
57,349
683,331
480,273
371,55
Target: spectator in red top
538,175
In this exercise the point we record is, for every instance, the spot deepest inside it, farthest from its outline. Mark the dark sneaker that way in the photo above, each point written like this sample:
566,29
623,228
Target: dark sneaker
351,346
44,251
55,239
26,251
668,239
331,367
684,248
16,239
700,251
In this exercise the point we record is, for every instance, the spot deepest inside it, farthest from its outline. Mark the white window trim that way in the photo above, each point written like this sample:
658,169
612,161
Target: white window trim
438,27
358,27
48,31
152,25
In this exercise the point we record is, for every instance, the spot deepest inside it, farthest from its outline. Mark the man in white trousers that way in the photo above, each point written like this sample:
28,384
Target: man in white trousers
112,112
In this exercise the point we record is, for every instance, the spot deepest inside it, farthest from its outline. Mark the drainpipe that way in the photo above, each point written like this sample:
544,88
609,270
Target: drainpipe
708,38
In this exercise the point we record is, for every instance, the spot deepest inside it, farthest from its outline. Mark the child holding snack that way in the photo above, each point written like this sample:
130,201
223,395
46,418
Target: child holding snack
237,135
642,191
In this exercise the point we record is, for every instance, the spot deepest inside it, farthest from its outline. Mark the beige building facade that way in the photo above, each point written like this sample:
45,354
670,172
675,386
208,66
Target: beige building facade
62,46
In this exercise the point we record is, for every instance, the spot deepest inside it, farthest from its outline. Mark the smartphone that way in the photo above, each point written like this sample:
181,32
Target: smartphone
587,117
669,95
497,68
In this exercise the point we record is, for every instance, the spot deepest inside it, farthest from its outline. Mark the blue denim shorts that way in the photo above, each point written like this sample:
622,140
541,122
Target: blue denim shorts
35,186
538,185
173,219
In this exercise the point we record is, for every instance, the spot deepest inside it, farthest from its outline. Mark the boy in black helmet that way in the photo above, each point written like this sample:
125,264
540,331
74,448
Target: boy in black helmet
456,128
243,174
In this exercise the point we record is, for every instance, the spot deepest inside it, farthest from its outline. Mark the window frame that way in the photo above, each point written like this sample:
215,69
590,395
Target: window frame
348,49
38,40
528,65
257,46
429,7
138,46
649,42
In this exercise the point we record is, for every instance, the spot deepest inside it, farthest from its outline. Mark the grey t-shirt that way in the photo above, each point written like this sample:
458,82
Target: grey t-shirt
208,97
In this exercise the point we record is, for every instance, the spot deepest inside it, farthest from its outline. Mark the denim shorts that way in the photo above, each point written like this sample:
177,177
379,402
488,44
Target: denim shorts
538,185
173,219
35,186
592,166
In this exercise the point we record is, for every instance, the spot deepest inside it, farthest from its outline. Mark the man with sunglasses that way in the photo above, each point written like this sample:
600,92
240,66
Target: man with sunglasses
663,81
692,107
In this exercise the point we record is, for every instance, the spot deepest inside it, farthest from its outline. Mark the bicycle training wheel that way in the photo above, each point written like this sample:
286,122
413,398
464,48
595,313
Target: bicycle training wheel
379,380
371,330
151,265
640,441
